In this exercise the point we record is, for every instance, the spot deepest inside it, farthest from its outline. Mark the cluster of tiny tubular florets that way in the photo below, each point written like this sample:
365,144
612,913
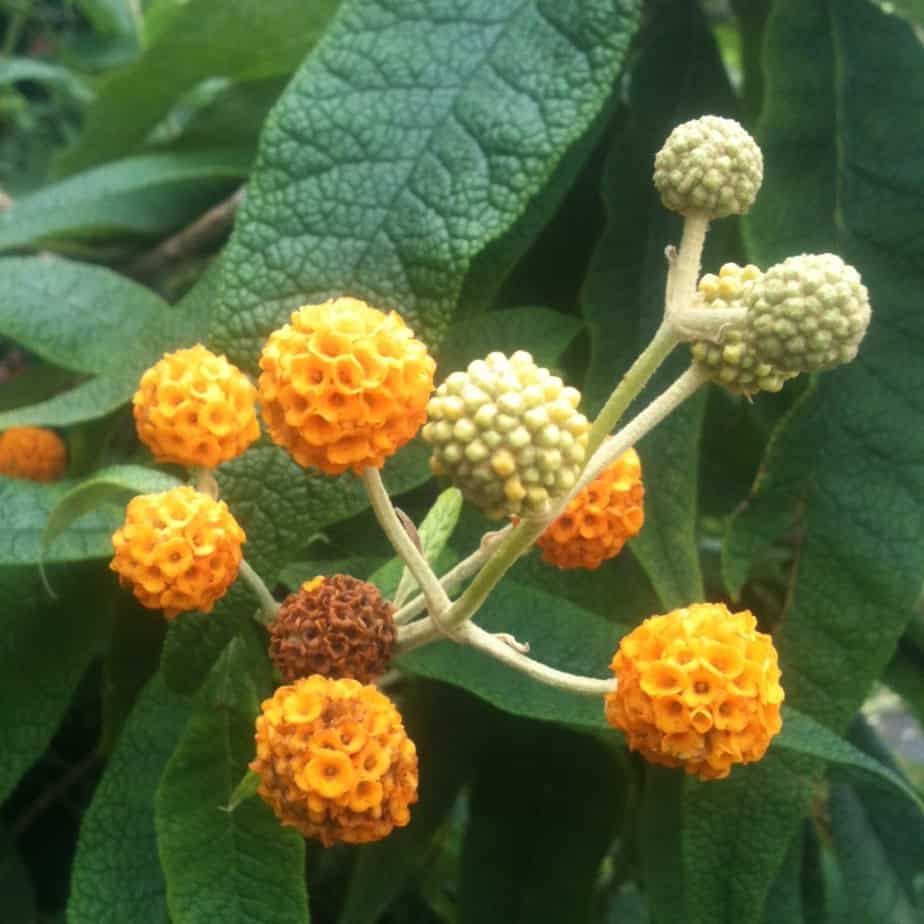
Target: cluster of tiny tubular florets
709,166
808,313
733,362
599,519
508,434
336,626
177,551
697,688
344,385
195,408
335,761
32,453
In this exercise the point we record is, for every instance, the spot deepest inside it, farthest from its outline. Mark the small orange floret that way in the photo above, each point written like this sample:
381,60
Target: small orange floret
698,688
177,551
32,453
195,408
600,519
334,761
344,385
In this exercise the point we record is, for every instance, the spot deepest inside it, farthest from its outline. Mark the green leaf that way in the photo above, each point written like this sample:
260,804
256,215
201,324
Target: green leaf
912,10
541,331
543,811
678,75
382,870
90,400
116,875
559,634
804,735
489,99
871,882
434,532
239,866
27,506
115,484
15,883
14,70
148,194
187,43
44,650
246,789
113,17
784,900
660,826
85,318
842,175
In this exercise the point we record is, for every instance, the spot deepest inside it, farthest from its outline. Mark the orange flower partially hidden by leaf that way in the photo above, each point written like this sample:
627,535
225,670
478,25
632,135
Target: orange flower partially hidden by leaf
699,688
32,453
600,519
334,761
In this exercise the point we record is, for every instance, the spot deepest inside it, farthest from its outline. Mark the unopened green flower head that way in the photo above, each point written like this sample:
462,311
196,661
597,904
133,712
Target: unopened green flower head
709,166
808,313
507,433
732,362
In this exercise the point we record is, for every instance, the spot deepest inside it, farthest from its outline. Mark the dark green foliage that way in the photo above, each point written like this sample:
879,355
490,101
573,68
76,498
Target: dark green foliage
483,168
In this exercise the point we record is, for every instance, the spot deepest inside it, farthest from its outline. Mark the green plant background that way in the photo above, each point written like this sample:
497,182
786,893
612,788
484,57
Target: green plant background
484,168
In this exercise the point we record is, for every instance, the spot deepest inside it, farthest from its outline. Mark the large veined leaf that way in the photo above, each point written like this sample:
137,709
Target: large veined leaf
45,648
414,136
842,175
235,866
677,75
187,43
117,875
90,320
148,194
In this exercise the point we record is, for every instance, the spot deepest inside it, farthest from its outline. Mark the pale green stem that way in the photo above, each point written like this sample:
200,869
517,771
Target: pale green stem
508,651
205,481
438,601
268,604
684,270
630,385
457,575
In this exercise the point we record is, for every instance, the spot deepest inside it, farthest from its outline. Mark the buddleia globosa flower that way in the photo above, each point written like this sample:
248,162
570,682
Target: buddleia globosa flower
336,626
334,761
32,453
733,361
808,313
177,551
599,519
195,408
698,688
344,385
709,166
507,433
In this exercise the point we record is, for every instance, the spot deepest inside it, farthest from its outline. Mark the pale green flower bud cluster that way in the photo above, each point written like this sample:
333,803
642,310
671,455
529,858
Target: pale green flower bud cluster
733,361
508,434
809,313
710,166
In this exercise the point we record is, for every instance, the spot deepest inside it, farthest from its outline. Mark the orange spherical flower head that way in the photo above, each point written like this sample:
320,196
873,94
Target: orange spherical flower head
195,408
698,688
335,761
344,385
336,626
32,453
600,519
177,551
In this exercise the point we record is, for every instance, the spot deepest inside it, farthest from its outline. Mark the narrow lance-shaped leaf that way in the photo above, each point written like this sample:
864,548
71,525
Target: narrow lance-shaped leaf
413,137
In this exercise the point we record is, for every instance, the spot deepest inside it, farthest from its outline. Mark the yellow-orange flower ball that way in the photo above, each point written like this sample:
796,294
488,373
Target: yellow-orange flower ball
600,519
344,385
335,761
177,551
32,453
698,688
195,408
